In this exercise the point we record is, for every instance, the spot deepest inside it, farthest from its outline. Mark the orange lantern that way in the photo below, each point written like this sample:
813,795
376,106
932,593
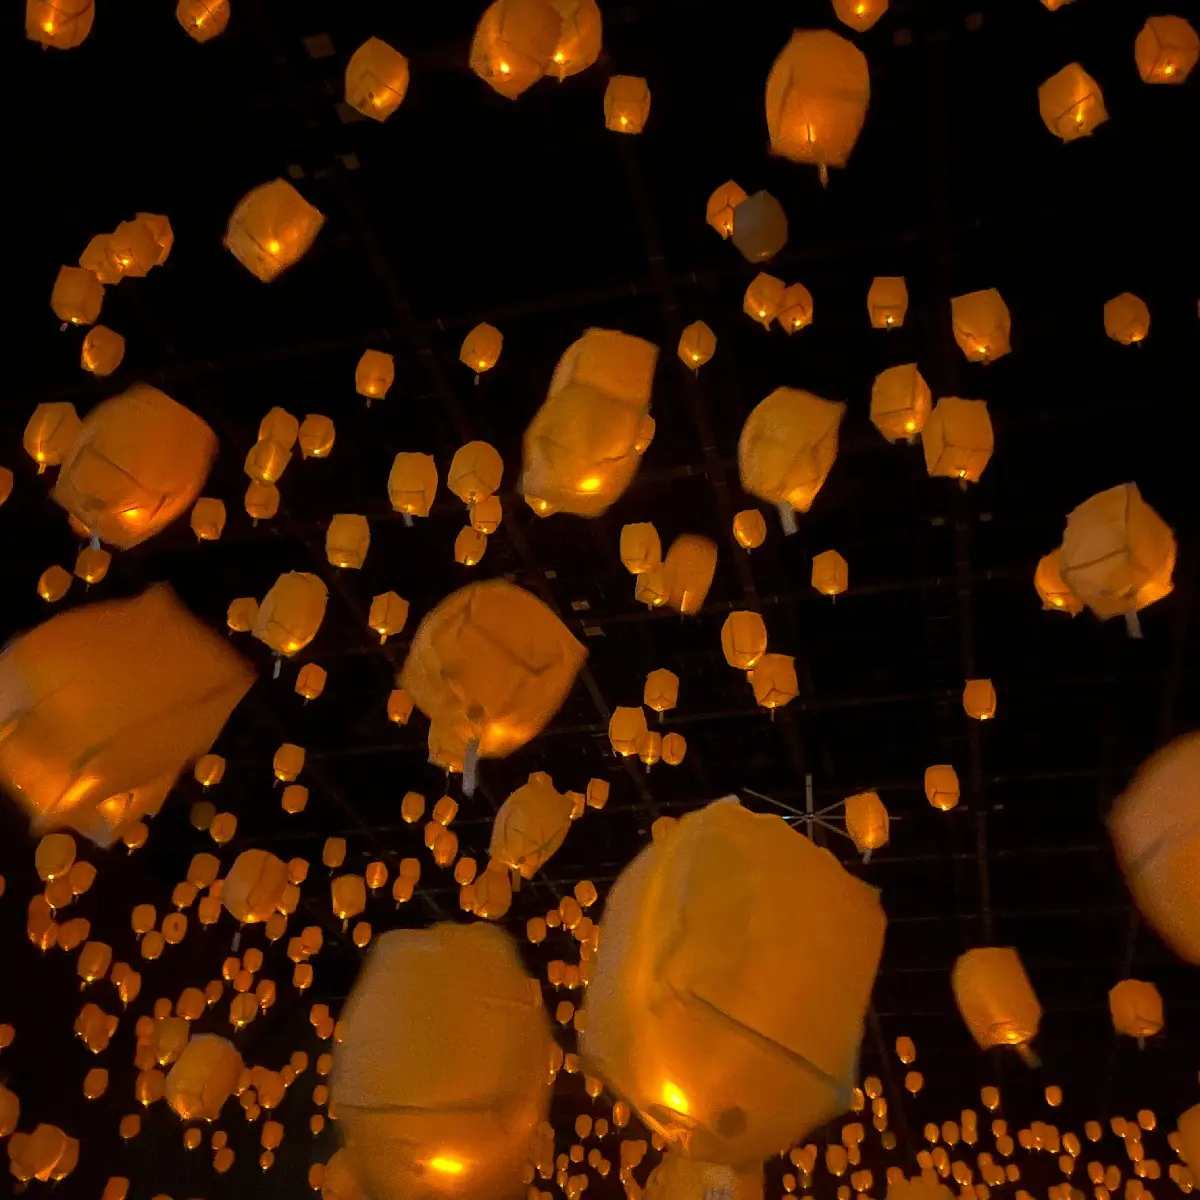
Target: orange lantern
867,822
900,402
979,699
102,351
626,103
347,540
773,678
760,227
254,886
887,298
1052,591
92,565
860,15
374,375
1071,103
514,44
530,826
721,204
376,79
641,550
830,573
689,567
77,295
310,681
388,615
316,436
208,518
399,706
941,787
661,692
291,612
262,500
579,41
1136,1009
982,325
53,584
470,546
749,529
475,472
1127,319
743,639
203,20
674,748
764,298
481,348
1166,50
51,433
958,439
995,998
60,24
412,484
203,1077
271,229
697,345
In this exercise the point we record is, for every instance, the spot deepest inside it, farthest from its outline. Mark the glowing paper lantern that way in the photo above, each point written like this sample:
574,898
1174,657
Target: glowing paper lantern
1126,319
203,19
254,886
1052,591
796,311
691,1016
1166,50
102,351
860,15
59,24
830,573
316,436
743,639
262,500
412,484
486,514
470,546
271,229
626,103
347,540
982,325
530,826
514,44
958,439
475,472
979,699
995,997
697,345
773,678
887,301
1136,1009
721,204
689,567
1071,103
661,692
77,295
481,348
678,1177
760,227
941,787
867,821
291,612
900,402
749,528
203,1077
376,79
388,615
626,729
763,300
50,434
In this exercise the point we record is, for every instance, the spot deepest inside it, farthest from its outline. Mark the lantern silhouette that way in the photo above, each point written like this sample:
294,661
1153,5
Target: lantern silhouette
77,296
887,301
1052,591
743,639
347,540
958,439
995,998
376,79
697,345
689,567
51,433
1136,1009
203,1077
316,436
59,24
456,1113
514,44
1126,319
105,705
1071,103
900,402
584,444
981,325
763,300
773,678
749,528
941,787
530,826
867,822
787,447
138,463
102,351
760,227
203,20
692,1017
796,311
830,573
272,228
674,748
291,612
412,484
481,348
626,104
816,99
1166,50
721,204
979,699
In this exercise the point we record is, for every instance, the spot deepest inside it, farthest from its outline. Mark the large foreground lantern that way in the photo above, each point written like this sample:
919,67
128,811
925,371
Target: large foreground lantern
727,999
203,1077
440,1076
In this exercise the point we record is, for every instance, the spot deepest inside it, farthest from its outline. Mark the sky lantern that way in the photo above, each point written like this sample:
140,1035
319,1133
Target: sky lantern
796,311
50,433
941,787
721,204
996,999
481,348
979,699
579,40
958,439
469,546
1166,50
59,24
347,540
867,822
475,472
310,681
316,436
1127,319
982,325
860,15
764,297
376,79
830,573
626,728
749,528
77,296
530,826
900,402
374,374
743,639
887,301
514,44
689,567
697,345
203,1077
102,351
203,20
626,104
272,228
412,484
773,678
485,514
661,692
1136,1008
760,227
1050,587
1071,103
262,500
254,886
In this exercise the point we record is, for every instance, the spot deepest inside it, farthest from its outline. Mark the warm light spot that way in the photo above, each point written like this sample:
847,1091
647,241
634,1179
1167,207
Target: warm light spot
962,474
559,57
889,320
695,357
48,27
1056,601
591,484
910,426
674,1098
273,246
762,312
447,1165
861,10
1136,336
542,506
797,322
808,133
504,68
1079,117
1169,69
624,119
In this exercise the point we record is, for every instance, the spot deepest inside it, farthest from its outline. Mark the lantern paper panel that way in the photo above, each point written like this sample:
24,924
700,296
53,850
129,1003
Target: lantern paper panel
271,229
958,439
1072,104
787,447
376,79
1166,50
721,205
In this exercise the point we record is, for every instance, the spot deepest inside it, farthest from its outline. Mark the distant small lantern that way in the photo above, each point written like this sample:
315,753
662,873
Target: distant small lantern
376,79
412,484
796,312
721,204
242,614
485,514
1051,588
661,692
941,787
399,706
102,351
763,300
641,549
1166,50
750,528
697,345
208,518
626,728
262,500
316,436
310,681
773,678
470,546
982,325
651,588
288,762
867,822
347,540
388,615
202,20
1136,1008
374,375
91,564
514,44
53,584
133,248
291,612
958,439
674,749
77,296
266,461
50,433
760,227
887,301
481,348
830,573
626,104
900,402
979,699
1127,319
475,471
743,639
1071,103
272,228
860,15
649,748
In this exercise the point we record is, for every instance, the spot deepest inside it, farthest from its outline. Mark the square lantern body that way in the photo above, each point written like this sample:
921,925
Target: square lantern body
995,997
626,103
958,439
376,79
271,229
1071,103
900,402
514,44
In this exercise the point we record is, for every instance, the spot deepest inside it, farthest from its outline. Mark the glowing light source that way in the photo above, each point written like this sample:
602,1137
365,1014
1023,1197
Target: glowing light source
674,1098
444,1163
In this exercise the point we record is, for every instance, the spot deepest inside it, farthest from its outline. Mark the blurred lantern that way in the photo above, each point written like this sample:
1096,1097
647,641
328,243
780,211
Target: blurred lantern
54,856
280,427
763,300
860,15
137,464
92,565
399,707
721,205
743,639
347,540
597,793
294,800
996,999
979,699
958,439
773,678
6,483
514,44
208,518
262,500
445,810
900,402
941,787
266,461
51,433
797,310
530,826
160,231
470,546
1189,1136
830,573
1136,1009
388,615
749,529
254,886
203,19
475,472
1166,50
1052,591
291,612
96,259
132,249
689,566
674,748
60,24
272,228
677,989
787,447
579,40
53,583
641,550
626,728
241,614
203,1077
481,348
374,375
760,227
697,345
348,897
651,587
77,295
677,1177
887,297
310,681
376,79
661,692
1126,319
316,436
649,748
457,1112
1118,554
102,351
108,703
584,444
981,325
626,104
867,822
816,99
333,853
412,484
486,514
1071,104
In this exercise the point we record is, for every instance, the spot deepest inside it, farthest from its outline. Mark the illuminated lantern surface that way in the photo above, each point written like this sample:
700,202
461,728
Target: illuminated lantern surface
995,997
958,439
514,44
376,79
272,228
1166,50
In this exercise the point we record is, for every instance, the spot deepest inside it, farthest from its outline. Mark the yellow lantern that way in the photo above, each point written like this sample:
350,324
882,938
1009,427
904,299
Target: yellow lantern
579,41
51,433
979,699
514,44
316,436
412,484
60,24
720,208
760,227
860,15
242,614
1126,319
797,310
1118,554
203,20
376,79
641,550
691,1016
288,762
388,615
470,546
900,402
787,447
697,345
763,300
457,1112
1166,50
1052,591
399,706
138,463
750,528
475,472
887,297
941,787
102,351
77,295
830,573
626,103
1136,1008
203,1077
310,681
958,439
208,518
743,639
1071,103
773,678
481,348
291,612
374,375
530,826
661,692
92,565
294,800
995,998
262,500
272,228
817,96
347,540
54,856
867,822
689,567
674,748
982,326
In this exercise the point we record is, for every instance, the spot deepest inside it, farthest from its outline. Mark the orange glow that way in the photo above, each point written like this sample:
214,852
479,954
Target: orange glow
447,1165
910,426
559,57
273,246
674,1098
504,68
48,27
591,484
